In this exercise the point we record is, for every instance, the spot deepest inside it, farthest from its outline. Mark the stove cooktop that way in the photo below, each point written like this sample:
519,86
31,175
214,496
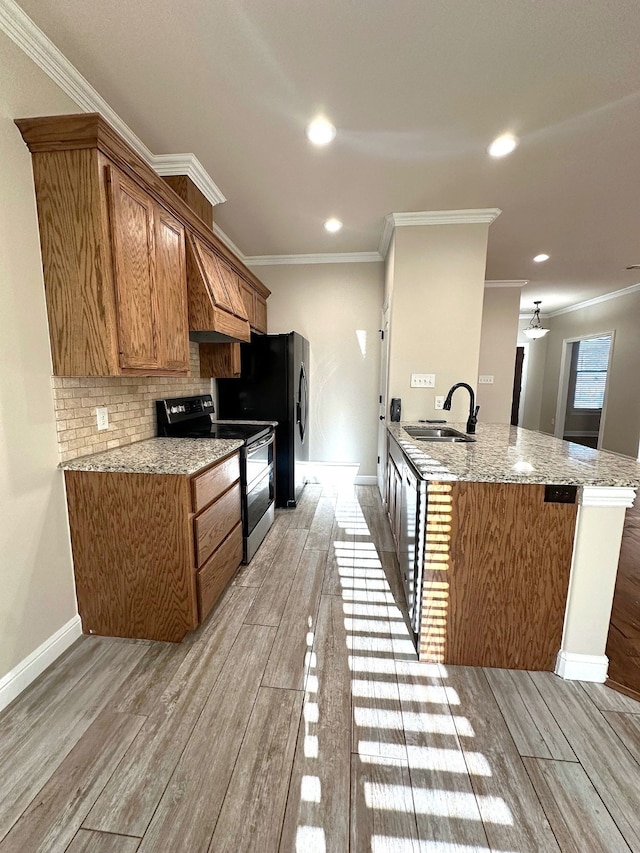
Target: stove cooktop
247,432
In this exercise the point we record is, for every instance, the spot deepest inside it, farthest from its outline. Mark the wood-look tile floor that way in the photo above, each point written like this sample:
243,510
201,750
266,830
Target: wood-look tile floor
297,718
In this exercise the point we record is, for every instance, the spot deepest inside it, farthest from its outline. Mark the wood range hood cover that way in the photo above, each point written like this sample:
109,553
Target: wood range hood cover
216,309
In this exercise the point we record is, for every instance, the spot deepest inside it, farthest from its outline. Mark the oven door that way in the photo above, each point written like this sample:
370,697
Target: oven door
260,496
259,457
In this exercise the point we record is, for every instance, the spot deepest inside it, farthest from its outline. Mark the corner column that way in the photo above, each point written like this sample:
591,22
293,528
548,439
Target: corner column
594,566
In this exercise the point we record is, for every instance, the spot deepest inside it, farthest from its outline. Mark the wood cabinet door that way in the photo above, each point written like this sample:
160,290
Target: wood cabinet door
261,314
248,295
132,237
171,287
220,361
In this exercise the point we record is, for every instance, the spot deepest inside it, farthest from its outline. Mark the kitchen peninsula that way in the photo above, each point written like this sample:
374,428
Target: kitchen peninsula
516,544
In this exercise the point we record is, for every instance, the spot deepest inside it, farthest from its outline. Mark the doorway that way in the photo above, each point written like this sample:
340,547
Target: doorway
518,381
582,395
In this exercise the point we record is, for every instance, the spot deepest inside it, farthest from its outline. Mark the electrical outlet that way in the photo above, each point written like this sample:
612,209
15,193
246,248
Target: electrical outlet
486,379
102,417
438,403
423,380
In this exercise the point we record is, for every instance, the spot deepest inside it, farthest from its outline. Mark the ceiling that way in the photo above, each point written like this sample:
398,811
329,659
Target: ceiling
417,89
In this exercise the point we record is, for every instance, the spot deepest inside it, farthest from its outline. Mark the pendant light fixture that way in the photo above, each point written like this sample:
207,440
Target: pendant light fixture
535,329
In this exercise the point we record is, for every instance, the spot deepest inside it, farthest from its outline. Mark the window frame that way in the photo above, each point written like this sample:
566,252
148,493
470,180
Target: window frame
573,375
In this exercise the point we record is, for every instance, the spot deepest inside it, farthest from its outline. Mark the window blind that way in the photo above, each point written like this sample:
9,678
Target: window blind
591,372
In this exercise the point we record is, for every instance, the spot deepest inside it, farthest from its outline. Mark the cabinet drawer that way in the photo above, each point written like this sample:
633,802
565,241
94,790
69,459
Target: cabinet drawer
210,485
213,525
218,571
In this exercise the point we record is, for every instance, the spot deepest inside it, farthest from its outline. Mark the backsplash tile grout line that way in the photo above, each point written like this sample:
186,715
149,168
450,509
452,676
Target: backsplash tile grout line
129,399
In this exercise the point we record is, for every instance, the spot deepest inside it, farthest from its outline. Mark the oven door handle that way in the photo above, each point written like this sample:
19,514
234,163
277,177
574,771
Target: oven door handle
264,443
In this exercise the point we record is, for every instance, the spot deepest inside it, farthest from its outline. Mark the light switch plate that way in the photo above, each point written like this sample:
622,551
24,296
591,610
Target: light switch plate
423,380
102,417
485,379
438,402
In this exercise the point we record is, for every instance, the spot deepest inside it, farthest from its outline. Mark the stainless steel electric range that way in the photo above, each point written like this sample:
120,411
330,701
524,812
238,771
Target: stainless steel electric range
191,417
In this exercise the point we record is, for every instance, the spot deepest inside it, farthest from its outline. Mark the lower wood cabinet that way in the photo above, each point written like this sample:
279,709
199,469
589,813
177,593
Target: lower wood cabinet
218,571
153,552
496,565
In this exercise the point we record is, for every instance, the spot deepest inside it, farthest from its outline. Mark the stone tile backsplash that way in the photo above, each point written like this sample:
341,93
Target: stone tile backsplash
129,399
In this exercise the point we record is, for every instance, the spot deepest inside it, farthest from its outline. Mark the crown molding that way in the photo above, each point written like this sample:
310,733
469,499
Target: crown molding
217,230
189,165
336,258
22,31
472,216
506,283
19,27
615,294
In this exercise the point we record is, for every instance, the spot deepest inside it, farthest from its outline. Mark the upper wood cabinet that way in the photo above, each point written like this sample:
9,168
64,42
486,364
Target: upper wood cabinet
260,324
171,275
255,305
150,280
113,236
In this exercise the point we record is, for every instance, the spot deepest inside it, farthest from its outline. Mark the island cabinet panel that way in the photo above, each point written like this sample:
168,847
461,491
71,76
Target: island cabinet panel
134,539
496,575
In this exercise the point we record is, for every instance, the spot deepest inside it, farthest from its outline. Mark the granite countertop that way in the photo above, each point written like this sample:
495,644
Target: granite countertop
158,456
506,454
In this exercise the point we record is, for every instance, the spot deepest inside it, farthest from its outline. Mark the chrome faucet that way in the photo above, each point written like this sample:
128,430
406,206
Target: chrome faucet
473,409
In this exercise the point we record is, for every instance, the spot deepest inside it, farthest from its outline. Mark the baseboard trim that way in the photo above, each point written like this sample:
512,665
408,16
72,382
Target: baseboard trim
366,480
21,676
575,667
622,688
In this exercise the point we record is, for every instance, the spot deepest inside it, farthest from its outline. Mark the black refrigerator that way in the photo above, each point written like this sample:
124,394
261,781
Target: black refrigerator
274,385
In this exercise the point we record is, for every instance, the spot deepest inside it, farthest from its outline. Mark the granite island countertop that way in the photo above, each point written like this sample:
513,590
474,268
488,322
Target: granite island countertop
184,456
506,454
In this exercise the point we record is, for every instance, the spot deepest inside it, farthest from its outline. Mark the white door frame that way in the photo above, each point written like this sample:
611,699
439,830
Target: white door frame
563,385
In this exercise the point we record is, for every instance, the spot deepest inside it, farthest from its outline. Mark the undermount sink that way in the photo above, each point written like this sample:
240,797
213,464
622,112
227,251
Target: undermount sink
436,434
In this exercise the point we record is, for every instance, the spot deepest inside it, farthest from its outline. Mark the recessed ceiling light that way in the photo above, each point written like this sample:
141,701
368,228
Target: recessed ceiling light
332,225
503,145
539,259
321,131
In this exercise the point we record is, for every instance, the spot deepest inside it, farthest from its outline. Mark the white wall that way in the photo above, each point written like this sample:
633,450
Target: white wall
500,311
36,579
621,431
337,307
436,277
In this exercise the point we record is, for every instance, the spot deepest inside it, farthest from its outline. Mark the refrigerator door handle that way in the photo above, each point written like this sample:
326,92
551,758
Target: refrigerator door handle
301,406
